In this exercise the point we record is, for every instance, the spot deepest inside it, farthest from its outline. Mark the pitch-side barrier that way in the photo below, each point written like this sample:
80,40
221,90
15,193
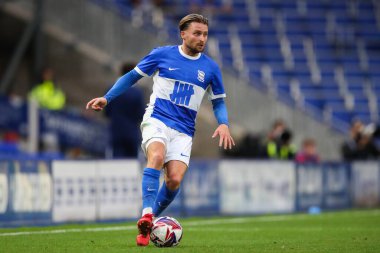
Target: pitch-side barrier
39,192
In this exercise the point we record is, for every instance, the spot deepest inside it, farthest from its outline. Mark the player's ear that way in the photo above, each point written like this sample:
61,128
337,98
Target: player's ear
182,34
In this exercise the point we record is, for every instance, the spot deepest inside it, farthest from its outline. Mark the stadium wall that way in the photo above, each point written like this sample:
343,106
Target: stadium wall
43,192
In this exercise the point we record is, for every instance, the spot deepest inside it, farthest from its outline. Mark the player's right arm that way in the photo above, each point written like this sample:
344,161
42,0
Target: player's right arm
97,104
121,85
146,67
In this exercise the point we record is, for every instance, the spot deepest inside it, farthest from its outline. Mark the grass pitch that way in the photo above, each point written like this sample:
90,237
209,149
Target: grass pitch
347,231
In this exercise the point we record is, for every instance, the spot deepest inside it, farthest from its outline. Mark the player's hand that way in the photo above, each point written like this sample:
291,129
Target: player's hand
226,140
97,104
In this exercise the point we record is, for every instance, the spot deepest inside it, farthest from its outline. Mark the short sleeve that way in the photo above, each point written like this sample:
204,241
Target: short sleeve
216,89
148,65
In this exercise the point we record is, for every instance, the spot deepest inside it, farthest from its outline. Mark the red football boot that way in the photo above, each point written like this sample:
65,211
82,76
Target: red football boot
144,225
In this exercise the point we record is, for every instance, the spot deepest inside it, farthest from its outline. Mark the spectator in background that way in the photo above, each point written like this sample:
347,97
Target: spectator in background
261,146
308,153
46,93
278,128
366,149
278,145
48,96
349,146
125,114
360,144
281,147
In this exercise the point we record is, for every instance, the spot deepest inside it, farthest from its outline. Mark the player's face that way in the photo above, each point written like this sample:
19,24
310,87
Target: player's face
195,38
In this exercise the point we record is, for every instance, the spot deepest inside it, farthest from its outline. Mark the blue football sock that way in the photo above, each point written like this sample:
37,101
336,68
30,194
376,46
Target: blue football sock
164,198
150,185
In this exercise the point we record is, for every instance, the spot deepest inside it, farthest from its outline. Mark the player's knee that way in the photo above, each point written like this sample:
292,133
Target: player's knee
173,182
156,160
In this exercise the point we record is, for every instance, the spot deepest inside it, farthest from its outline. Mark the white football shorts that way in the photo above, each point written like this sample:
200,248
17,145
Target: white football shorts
178,145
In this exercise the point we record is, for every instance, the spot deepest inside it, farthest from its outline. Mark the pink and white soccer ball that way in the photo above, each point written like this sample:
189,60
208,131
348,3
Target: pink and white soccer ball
166,232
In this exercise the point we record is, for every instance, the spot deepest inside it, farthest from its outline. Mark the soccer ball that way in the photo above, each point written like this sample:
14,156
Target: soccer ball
166,232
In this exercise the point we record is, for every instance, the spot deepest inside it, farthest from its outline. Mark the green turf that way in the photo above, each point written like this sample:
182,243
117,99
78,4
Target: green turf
348,231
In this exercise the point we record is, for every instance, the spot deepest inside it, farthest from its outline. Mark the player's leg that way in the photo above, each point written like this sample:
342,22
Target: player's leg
150,184
151,176
154,145
174,173
176,163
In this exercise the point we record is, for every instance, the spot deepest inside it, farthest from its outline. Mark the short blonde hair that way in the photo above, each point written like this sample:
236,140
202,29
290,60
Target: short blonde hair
188,19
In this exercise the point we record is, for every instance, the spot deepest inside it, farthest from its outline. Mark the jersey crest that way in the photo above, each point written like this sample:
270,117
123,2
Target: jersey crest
201,76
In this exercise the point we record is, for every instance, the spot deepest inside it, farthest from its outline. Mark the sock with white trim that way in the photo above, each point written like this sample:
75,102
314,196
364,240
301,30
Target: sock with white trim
150,185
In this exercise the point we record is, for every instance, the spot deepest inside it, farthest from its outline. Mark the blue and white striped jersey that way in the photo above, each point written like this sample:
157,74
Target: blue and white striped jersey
180,82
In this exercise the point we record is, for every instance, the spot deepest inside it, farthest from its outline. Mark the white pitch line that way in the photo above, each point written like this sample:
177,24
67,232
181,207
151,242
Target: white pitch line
70,230
124,228
184,223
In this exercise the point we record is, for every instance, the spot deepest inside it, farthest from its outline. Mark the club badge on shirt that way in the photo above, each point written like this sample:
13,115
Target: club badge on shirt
201,76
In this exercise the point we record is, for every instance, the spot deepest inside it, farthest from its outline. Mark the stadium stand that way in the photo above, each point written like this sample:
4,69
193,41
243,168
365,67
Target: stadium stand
319,54
299,52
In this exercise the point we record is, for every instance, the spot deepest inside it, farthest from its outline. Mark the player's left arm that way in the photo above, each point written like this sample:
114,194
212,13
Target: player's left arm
220,111
216,95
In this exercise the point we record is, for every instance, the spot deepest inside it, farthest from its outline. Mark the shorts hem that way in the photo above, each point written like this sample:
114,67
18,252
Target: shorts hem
146,144
184,159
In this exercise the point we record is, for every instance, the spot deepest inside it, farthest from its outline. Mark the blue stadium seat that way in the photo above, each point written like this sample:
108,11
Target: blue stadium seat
343,115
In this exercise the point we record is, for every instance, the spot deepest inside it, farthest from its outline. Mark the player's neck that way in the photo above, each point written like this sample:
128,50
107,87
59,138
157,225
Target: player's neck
189,52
